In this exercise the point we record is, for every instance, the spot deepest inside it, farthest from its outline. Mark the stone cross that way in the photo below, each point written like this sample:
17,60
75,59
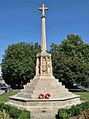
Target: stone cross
43,9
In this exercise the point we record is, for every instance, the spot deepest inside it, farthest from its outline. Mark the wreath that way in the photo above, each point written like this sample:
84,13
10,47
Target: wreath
47,96
41,96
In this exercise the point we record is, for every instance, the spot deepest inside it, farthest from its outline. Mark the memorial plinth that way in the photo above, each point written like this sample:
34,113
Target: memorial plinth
44,92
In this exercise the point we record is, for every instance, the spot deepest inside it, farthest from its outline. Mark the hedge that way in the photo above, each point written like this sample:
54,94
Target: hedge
14,112
73,111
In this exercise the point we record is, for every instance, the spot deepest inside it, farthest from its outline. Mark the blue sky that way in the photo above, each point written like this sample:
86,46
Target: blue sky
20,20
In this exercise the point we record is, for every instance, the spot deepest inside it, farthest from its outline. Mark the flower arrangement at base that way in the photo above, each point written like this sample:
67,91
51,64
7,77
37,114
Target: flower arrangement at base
47,96
41,96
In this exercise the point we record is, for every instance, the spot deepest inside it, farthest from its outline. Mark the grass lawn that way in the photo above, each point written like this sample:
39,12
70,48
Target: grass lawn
83,95
5,97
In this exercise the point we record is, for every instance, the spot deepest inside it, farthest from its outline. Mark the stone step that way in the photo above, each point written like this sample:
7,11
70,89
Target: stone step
33,82
41,83
30,91
24,95
49,88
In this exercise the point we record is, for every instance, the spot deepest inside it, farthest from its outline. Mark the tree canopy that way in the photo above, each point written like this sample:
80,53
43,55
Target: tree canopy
18,64
71,61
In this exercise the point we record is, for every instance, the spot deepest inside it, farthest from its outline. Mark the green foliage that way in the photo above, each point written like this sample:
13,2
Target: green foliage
14,112
24,115
73,111
18,64
63,114
71,61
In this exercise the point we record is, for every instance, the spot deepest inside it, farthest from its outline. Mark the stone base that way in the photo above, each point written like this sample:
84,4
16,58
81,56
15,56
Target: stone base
28,98
29,104
59,96
43,109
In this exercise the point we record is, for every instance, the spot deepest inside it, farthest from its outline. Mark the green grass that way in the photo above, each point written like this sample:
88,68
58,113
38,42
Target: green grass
83,95
5,97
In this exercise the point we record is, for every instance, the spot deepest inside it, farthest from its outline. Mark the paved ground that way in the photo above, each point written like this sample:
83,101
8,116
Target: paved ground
83,88
2,92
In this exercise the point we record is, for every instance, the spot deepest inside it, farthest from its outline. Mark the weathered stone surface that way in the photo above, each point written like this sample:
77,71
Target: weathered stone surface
43,114
44,84
44,95
59,96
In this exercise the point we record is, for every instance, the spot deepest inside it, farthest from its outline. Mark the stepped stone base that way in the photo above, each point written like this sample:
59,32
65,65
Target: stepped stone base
28,99
43,104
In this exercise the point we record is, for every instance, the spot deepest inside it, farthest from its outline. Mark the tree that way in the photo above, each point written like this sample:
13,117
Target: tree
71,61
18,64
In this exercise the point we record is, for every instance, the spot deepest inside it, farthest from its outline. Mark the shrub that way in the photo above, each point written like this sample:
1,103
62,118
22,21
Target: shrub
73,111
24,115
63,114
14,112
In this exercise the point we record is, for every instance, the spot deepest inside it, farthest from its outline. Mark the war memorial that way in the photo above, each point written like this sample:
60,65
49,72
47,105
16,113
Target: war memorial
44,95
